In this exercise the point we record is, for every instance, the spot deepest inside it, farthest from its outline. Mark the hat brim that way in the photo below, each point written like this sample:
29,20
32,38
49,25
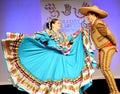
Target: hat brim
86,10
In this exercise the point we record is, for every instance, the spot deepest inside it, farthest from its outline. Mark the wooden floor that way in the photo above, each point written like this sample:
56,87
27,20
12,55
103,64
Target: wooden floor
98,87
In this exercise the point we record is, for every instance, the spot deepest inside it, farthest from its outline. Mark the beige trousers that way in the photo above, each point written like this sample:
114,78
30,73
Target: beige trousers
105,57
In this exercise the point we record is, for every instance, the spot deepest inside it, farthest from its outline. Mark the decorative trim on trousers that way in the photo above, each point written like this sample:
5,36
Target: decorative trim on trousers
105,57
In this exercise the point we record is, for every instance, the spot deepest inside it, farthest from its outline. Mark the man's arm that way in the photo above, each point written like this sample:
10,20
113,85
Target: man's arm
103,29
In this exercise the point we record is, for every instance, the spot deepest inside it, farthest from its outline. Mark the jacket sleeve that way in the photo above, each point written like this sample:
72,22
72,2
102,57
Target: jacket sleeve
103,29
41,36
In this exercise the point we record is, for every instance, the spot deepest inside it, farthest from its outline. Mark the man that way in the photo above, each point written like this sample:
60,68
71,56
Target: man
104,41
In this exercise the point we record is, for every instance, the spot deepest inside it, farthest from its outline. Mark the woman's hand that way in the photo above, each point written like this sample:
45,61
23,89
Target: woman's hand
76,33
65,52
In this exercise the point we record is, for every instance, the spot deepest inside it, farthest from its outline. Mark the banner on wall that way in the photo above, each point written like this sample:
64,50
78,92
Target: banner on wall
67,11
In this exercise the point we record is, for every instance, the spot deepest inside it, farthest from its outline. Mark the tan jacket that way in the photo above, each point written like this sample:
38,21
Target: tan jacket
101,35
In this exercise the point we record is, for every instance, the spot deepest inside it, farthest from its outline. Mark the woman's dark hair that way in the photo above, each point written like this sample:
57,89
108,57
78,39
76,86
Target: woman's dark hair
93,13
49,24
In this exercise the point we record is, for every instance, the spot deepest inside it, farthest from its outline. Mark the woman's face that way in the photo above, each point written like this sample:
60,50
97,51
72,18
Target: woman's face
57,25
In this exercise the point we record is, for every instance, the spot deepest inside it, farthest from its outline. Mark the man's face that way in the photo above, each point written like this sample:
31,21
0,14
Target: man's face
90,17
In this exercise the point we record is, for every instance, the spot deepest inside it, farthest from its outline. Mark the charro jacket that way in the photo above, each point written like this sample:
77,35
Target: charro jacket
101,34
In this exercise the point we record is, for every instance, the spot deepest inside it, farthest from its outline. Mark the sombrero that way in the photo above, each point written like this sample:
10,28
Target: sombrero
101,13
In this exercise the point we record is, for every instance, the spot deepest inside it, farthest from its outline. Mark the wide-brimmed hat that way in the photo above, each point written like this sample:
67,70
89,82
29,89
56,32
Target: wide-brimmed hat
101,13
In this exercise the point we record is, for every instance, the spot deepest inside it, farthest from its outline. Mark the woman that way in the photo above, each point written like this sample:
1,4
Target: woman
50,62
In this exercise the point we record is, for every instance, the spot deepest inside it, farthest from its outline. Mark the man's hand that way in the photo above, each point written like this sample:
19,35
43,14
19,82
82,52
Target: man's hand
98,66
116,49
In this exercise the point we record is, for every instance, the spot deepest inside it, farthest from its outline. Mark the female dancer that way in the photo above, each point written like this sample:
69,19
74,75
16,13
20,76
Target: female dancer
50,62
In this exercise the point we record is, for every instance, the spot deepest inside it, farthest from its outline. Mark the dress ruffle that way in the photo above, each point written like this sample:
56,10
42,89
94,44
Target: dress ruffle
39,69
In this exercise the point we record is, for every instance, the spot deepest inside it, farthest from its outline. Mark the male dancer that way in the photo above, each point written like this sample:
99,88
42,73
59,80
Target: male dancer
104,41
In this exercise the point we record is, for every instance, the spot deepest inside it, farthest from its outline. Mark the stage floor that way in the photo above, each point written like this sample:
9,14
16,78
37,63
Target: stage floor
99,87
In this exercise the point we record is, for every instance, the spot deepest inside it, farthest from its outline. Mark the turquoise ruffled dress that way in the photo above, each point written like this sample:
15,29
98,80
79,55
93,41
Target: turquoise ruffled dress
49,63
